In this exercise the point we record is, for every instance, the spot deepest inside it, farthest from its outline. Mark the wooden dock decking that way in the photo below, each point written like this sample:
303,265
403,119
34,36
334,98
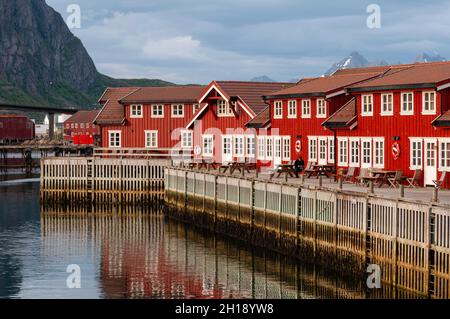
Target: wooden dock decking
408,238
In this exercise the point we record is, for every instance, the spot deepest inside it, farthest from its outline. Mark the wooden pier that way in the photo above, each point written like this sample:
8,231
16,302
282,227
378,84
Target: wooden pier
409,240
91,180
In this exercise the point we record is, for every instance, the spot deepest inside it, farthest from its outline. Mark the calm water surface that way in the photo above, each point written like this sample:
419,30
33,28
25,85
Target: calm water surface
132,253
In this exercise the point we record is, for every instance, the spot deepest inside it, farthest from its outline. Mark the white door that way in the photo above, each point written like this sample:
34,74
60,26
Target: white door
277,150
430,168
227,151
322,155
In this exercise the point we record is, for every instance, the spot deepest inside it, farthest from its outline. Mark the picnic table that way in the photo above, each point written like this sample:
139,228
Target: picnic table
382,176
239,166
202,164
287,169
320,170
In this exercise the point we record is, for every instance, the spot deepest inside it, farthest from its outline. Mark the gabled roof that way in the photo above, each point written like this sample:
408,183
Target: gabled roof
324,85
418,75
344,117
112,111
166,94
83,117
261,120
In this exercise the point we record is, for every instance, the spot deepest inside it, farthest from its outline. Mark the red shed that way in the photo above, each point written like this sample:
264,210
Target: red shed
15,128
81,129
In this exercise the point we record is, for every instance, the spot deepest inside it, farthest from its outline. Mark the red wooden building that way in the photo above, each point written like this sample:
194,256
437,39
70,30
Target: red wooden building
148,117
80,128
15,128
398,121
220,131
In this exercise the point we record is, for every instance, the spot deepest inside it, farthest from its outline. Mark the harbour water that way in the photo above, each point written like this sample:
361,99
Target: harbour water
136,252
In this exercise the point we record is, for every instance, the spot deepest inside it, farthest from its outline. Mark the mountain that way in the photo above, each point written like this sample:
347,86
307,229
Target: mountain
426,57
353,60
42,62
263,78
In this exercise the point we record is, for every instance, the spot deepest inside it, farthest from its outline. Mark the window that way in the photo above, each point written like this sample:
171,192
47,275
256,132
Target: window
261,147
72,125
135,110
67,125
407,104
416,154
93,125
177,110
331,150
387,104
186,139
354,153
445,155
277,147
366,152
343,152
269,150
223,108
306,109
81,125
114,138
278,110
28,125
226,141
378,149
87,125
292,109
158,110
208,145
76,125
429,103
250,146
195,108
312,151
287,148
239,145
321,108
322,150
151,139
367,105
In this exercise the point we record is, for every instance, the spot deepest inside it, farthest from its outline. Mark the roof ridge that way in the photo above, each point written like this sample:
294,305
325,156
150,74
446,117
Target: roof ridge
253,82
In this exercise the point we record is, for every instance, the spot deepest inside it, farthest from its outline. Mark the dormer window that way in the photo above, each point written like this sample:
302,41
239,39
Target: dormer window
223,108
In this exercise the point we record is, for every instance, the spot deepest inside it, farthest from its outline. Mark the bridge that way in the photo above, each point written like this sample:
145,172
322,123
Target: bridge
50,110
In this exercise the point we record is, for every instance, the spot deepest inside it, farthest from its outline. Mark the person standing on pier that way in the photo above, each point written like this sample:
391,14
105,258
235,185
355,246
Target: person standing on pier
299,166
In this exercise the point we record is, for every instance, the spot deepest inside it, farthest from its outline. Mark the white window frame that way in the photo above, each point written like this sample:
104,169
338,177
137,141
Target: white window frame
250,146
354,157
209,150
136,111
331,150
176,110
157,107
239,146
321,108
365,164
378,155
403,111
306,106
153,135
426,100
195,107
413,154
286,148
278,109
367,105
186,139
312,149
387,112
81,125
292,109
278,147
120,139
224,109
230,141
343,152
444,154
269,148
261,147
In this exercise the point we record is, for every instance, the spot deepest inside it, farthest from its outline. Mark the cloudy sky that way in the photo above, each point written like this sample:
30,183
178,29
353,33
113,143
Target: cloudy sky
196,41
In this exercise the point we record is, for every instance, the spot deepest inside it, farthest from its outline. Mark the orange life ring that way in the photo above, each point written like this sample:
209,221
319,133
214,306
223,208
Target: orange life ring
396,150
